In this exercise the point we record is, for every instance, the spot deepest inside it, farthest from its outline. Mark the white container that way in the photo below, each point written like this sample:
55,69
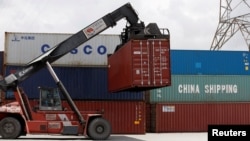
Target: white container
21,48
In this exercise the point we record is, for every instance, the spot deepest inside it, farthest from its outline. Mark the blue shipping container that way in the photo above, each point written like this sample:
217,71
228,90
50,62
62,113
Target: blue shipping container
82,83
189,62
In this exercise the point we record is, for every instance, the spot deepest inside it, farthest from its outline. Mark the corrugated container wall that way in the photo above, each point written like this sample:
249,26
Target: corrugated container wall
195,117
82,83
190,62
125,117
204,88
92,53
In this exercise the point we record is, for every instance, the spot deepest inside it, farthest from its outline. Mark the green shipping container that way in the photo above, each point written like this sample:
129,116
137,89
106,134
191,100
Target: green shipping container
204,88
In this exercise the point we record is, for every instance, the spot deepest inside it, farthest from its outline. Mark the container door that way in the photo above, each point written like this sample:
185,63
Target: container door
151,63
160,74
141,62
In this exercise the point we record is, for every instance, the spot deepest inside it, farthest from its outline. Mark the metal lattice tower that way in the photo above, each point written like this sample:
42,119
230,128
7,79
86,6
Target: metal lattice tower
230,22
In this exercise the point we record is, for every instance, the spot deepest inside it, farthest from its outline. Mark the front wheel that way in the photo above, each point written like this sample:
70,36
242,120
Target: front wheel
99,129
10,128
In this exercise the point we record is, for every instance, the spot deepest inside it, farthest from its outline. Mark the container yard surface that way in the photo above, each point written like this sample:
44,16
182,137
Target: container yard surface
202,136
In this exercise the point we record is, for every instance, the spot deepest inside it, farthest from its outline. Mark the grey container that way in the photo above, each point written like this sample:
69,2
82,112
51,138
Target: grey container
21,48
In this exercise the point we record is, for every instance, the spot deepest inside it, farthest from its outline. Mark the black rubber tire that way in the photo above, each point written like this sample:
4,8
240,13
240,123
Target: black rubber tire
99,129
10,128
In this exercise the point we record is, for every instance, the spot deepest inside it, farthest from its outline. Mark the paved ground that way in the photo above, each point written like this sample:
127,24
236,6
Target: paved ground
147,137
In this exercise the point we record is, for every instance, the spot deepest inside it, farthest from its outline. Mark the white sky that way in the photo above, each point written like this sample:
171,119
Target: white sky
192,23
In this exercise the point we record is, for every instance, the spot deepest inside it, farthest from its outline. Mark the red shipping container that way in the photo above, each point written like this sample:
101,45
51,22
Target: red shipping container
140,65
195,117
125,117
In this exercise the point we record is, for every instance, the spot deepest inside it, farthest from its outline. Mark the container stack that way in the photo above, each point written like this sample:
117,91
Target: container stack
83,72
208,87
